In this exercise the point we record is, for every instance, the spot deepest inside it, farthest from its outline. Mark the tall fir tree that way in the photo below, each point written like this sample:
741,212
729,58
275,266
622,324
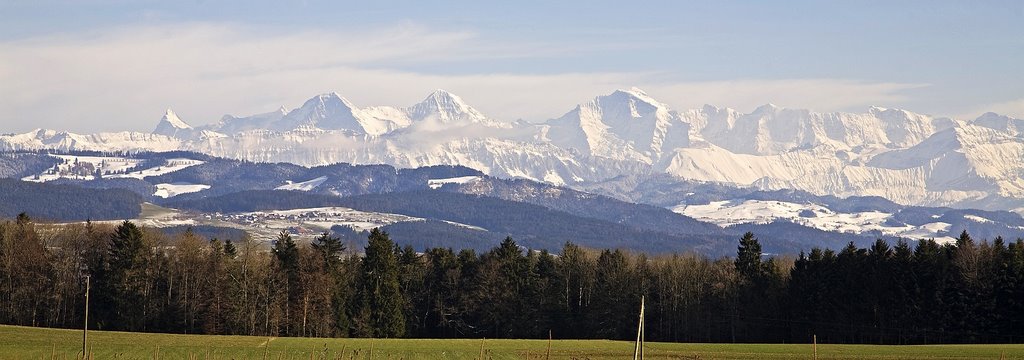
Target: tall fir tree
382,295
125,285
286,252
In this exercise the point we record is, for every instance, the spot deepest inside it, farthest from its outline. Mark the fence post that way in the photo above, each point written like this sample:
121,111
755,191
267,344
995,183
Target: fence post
815,339
547,356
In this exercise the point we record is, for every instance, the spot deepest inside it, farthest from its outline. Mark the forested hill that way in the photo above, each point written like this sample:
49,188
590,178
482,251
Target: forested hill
536,226
66,202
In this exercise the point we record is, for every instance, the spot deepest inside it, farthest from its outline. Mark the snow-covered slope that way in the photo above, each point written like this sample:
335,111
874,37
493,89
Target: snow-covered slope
727,213
627,124
229,124
333,112
175,189
111,142
303,186
91,167
445,108
900,155
771,130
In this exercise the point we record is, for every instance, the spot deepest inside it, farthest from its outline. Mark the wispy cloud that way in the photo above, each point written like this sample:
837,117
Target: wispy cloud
123,78
814,94
1012,108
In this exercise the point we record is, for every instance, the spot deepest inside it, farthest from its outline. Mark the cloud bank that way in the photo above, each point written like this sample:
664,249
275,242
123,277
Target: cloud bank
123,78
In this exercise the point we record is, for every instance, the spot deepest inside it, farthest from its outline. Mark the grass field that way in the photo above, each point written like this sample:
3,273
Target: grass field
37,343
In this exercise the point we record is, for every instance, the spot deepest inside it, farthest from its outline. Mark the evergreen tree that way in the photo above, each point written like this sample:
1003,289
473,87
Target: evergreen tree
382,297
286,252
748,259
613,313
330,249
125,284
229,249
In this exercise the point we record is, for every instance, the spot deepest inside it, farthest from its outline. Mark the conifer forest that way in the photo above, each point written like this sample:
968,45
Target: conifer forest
909,292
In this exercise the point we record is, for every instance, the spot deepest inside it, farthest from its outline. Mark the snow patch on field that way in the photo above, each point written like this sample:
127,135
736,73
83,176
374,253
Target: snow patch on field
87,167
303,186
438,183
172,165
175,189
977,219
727,213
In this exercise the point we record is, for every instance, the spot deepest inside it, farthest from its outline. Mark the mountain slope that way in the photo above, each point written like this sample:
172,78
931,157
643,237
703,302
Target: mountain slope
626,123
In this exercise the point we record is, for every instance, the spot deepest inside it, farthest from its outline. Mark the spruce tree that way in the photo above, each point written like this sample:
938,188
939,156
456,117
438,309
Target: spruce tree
229,249
382,296
330,249
748,259
287,255
126,279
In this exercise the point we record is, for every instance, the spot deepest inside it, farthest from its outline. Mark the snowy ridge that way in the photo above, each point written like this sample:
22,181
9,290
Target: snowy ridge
900,155
727,213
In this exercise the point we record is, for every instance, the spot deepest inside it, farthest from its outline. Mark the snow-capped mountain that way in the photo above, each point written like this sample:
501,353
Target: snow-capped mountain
171,125
333,112
771,130
626,123
900,155
445,108
229,124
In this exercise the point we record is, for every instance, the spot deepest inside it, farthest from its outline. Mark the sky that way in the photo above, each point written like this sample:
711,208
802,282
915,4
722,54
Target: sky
92,66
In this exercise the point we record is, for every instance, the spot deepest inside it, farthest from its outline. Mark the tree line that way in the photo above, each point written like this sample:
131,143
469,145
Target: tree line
145,280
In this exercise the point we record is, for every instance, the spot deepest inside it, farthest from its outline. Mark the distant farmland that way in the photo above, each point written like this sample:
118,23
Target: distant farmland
39,343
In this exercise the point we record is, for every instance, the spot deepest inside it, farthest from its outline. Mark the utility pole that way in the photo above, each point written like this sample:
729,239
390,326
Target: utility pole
85,324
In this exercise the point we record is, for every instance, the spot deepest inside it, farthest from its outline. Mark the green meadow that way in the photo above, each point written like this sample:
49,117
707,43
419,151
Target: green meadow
40,343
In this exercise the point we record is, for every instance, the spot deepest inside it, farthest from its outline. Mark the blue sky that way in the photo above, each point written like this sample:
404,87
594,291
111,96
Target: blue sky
116,65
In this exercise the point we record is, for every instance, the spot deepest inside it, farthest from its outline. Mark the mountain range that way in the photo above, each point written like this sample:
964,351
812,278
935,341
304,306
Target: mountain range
622,138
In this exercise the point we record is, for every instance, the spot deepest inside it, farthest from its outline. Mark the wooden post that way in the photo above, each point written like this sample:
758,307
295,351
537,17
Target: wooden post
371,349
814,338
547,356
266,348
85,323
